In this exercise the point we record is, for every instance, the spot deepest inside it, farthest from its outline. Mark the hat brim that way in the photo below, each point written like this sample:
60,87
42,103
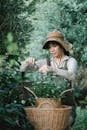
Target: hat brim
65,44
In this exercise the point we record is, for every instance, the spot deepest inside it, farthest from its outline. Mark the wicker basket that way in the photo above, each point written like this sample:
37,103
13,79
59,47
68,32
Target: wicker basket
49,118
48,102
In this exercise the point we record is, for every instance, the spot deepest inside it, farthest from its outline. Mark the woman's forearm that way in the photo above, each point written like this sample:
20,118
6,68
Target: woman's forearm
65,73
25,65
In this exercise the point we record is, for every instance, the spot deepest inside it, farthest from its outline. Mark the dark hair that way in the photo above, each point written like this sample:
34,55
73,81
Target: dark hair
66,52
53,42
57,43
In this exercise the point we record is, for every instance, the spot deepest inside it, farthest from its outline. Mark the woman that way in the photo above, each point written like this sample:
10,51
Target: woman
60,63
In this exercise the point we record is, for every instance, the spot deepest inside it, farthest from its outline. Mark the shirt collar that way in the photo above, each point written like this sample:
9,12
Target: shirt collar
64,58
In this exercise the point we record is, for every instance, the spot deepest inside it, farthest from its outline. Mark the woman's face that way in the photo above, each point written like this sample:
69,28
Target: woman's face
55,50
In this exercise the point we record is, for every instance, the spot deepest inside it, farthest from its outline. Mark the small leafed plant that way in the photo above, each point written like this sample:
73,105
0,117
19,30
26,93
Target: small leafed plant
47,86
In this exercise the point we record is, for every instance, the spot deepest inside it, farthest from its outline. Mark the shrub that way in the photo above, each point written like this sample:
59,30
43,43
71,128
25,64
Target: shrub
47,85
81,120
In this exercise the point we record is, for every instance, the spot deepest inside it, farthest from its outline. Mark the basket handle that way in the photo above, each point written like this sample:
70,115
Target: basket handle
66,91
31,92
45,102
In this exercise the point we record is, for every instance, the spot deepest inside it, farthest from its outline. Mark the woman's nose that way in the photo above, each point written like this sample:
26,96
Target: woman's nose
51,49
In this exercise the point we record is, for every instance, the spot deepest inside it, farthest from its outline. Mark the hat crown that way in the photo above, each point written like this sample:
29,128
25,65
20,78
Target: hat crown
55,34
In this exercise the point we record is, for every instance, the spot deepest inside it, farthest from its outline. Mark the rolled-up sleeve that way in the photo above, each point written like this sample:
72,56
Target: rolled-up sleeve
70,72
72,66
24,66
37,64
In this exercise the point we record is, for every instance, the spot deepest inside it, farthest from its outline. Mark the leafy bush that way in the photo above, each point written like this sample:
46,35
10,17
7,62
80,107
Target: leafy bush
81,120
47,85
12,115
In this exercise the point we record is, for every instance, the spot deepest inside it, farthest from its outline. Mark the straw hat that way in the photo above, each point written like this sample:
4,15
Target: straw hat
57,37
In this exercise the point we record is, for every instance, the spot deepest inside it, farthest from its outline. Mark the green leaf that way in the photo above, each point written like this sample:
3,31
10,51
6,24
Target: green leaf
10,37
12,48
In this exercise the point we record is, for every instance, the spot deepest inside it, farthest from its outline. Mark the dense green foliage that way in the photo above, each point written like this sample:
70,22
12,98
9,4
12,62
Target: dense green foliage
81,120
12,117
14,17
12,114
48,85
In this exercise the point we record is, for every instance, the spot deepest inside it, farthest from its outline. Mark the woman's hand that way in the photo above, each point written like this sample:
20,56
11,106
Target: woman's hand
30,61
44,69
25,64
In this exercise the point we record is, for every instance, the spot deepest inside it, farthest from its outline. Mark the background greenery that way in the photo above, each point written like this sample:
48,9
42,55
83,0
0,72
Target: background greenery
24,25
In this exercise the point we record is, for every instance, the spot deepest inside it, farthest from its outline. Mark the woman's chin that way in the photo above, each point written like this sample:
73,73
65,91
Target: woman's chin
55,56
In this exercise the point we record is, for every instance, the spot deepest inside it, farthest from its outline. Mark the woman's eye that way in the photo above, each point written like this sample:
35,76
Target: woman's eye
54,45
48,47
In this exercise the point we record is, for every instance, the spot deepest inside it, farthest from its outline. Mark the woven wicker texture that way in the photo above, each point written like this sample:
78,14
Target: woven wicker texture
48,102
49,118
